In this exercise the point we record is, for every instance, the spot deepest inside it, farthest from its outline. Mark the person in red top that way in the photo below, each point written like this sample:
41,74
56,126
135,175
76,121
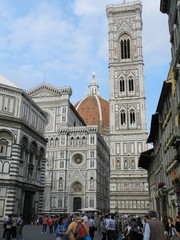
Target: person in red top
50,224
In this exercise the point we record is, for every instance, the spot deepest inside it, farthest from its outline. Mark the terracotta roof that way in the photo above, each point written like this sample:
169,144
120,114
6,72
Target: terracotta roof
94,110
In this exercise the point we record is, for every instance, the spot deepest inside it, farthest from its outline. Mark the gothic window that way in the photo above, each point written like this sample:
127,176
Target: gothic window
92,140
131,85
24,150
132,117
92,153
83,140
51,142
62,140
91,163
3,146
125,48
60,202
40,159
6,167
61,164
72,139
63,118
78,141
56,142
63,109
123,117
91,202
122,85
61,154
53,202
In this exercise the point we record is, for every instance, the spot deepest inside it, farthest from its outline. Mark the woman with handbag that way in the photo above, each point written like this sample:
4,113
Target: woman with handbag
171,232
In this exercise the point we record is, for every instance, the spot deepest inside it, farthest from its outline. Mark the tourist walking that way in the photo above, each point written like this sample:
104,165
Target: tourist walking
20,224
154,229
8,227
44,222
92,227
14,226
112,229
103,227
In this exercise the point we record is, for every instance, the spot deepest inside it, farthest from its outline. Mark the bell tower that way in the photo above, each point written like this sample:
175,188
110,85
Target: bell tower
128,133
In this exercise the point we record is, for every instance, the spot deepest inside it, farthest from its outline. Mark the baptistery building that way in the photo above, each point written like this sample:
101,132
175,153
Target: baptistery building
22,152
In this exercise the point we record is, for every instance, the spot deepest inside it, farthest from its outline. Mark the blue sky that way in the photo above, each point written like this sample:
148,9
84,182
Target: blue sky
63,41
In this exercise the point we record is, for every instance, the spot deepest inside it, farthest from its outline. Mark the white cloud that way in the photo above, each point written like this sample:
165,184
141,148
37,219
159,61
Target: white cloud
68,40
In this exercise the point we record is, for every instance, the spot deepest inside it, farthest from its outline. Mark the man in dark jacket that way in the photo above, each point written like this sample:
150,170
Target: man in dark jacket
154,229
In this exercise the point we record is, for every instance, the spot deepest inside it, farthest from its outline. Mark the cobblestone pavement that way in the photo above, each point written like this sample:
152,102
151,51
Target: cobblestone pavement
34,233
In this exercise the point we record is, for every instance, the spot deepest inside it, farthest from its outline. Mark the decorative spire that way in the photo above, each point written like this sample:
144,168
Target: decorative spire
93,86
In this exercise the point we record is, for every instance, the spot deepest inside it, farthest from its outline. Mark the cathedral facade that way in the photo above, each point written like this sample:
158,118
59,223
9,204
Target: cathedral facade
128,133
77,169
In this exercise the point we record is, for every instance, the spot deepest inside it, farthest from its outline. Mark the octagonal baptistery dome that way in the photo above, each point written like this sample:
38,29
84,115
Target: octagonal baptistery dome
94,109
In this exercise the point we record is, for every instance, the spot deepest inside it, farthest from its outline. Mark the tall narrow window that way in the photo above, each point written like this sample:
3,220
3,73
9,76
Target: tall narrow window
132,117
125,48
122,85
123,117
131,85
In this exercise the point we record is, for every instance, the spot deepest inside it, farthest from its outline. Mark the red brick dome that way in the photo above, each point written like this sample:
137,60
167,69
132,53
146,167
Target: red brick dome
93,108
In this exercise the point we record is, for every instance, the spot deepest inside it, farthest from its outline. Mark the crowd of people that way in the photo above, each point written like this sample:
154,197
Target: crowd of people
83,226
13,227
150,228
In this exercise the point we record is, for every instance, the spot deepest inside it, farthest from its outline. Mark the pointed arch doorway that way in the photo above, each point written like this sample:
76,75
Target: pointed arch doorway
76,203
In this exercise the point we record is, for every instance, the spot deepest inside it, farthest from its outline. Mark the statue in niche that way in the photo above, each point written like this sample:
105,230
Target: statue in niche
78,141
91,182
118,164
60,182
125,164
132,164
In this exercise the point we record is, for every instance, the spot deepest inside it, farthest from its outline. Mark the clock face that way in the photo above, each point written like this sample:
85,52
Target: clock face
78,159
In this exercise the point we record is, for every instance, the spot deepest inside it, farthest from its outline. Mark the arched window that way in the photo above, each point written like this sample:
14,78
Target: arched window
125,48
123,117
6,167
6,142
131,85
122,85
132,117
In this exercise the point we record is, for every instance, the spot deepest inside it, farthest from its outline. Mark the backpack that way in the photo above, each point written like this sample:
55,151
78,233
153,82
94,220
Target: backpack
133,227
80,232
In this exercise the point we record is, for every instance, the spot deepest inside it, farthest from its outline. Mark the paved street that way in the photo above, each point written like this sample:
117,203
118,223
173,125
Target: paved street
34,233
